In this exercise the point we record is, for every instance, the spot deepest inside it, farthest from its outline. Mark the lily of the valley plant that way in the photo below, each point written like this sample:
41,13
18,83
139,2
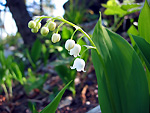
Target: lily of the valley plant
123,77
72,47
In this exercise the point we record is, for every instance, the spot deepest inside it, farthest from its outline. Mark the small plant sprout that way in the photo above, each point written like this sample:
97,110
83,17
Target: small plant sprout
69,44
78,64
56,37
73,48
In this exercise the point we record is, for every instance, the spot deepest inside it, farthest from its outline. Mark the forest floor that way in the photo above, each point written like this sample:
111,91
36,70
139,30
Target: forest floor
86,96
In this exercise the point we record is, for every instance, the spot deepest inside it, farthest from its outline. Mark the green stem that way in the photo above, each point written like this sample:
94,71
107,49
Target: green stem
118,25
58,28
75,26
74,33
46,24
116,20
84,52
5,90
10,91
80,39
89,38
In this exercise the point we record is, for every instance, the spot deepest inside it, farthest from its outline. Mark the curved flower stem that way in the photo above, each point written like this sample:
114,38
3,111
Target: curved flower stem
80,39
86,50
81,30
74,33
75,26
59,27
46,25
89,38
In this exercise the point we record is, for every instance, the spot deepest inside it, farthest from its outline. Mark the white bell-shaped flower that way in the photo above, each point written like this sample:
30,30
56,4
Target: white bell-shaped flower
78,64
56,37
69,44
75,50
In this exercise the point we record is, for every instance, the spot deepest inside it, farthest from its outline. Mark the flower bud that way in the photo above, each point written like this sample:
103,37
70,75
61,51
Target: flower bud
69,44
56,37
44,31
34,30
38,25
78,64
31,24
51,26
75,50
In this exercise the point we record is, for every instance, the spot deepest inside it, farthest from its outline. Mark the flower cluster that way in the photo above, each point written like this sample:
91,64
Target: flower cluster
50,25
73,48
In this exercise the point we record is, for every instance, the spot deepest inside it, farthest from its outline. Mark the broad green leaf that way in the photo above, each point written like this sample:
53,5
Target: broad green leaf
15,70
30,59
2,74
1,47
32,107
34,82
134,31
133,10
8,81
21,67
115,10
30,73
8,61
45,53
148,78
36,50
130,6
66,32
2,58
66,75
144,47
44,49
122,82
51,108
61,62
144,22
128,1
111,3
